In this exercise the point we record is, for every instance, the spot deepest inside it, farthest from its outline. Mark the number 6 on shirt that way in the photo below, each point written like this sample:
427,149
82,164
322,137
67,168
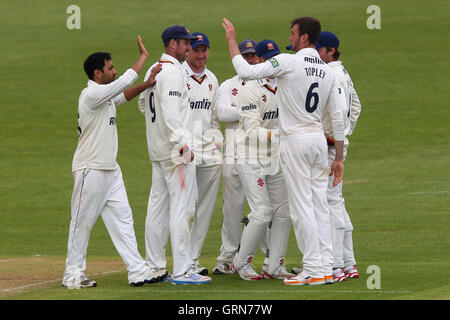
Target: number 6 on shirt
311,95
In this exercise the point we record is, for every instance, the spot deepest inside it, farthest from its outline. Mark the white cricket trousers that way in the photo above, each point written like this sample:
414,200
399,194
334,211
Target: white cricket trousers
170,206
268,201
208,180
340,220
101,192
304,160
232,214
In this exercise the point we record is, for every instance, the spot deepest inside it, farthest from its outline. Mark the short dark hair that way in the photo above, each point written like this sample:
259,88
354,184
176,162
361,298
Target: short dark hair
95,61
336,53
166,44
310,26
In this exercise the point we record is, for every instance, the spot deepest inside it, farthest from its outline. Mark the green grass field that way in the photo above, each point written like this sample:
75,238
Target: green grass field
397,174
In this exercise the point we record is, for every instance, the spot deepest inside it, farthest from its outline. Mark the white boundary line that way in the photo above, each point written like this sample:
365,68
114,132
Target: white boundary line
430,193
264,291
51,281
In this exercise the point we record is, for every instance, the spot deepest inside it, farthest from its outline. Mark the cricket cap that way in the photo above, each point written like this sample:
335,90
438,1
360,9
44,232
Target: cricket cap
267,49
247,46
327,39
200,38
176,32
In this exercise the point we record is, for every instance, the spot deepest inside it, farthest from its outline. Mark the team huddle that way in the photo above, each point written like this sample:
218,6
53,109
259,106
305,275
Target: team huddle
288,118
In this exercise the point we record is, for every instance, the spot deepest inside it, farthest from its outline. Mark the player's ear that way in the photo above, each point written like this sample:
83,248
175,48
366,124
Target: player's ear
98,74
304,37
173,43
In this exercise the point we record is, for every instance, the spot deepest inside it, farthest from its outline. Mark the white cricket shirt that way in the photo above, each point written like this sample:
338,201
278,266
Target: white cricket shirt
166,109
306,87
349,98
227,100
259,112
202,96
97,142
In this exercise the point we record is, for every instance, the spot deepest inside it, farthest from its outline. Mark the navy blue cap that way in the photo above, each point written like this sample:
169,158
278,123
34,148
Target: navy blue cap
247,46
176,32
200,38
267,49
327,39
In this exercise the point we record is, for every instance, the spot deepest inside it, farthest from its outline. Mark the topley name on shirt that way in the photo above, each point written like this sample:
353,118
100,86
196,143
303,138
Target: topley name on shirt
315,72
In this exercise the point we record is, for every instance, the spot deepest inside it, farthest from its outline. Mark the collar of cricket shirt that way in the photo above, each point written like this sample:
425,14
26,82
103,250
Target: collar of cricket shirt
309,52
166,58
199,77
90,83
335,63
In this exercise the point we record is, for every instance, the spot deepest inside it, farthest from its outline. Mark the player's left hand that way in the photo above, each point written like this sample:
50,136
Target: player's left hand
230,33
337,169
151,81
141,47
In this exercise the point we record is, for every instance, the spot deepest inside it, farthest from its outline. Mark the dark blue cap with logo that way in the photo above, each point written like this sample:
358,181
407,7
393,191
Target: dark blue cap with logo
267,49
247,46
200,38
176,32
327,39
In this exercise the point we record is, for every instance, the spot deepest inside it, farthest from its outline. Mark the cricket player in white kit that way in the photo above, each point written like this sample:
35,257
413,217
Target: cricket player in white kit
98,185
174,188
344,259
306,87
261,176
202,88
233,192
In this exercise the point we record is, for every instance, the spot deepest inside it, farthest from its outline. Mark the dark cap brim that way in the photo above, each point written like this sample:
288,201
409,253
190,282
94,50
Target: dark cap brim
188,36
248,50
196,44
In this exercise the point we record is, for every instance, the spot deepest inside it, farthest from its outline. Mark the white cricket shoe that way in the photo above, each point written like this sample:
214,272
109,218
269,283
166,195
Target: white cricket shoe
191,277
338,275
199,269
300,280
79,282
149,276
351,272
222,268
280,272
246,271
329,279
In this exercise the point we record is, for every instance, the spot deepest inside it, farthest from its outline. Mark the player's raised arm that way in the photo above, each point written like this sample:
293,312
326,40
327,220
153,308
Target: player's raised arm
230,34
143,55
271,68
114,89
